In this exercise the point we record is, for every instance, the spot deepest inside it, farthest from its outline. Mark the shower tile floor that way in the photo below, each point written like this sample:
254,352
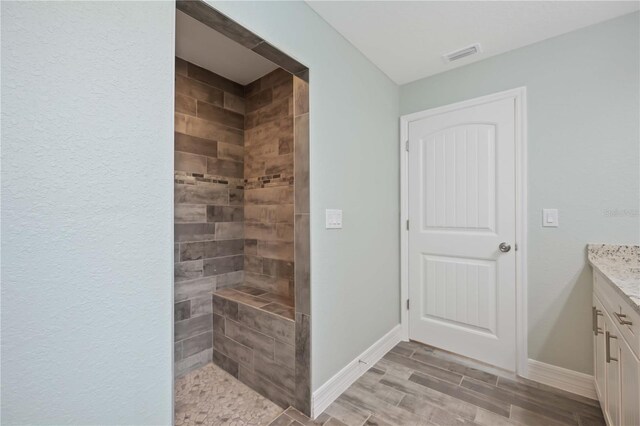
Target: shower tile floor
211,396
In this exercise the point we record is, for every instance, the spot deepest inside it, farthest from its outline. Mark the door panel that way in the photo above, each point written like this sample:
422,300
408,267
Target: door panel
459,175
462,202
460,292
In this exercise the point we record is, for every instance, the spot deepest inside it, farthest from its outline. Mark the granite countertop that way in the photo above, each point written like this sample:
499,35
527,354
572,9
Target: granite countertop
621,265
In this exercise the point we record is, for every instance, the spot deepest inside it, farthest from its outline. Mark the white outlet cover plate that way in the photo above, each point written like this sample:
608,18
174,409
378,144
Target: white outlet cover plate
333,218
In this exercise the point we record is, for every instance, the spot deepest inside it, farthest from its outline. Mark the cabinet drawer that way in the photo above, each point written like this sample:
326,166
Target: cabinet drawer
625,318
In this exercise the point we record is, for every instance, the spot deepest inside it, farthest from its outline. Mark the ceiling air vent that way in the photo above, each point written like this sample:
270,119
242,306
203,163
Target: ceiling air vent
462,53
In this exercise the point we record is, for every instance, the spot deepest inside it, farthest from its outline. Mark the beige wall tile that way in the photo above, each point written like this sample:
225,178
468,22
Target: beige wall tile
195,89
253,264
260,231
198,127
274,78
282,250
188,270
282,164
302,264
283,376
201,193
301,142
269,131
284,213
218,167
284,354
189,213
260,343
191,289
181,66
184,232
256,213
268,113
283,90
300,96
268,283
284,231
229,231
191,163
230,279
230,152
234,103
253,167
277,268
224,214
222,265
236,197
185,104
220,115
259,100
276,195
195,145
233,349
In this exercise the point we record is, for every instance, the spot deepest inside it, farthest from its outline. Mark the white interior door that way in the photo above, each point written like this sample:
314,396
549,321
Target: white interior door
462,202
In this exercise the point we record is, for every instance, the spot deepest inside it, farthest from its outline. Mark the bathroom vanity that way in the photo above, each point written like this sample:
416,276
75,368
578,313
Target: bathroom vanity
616,330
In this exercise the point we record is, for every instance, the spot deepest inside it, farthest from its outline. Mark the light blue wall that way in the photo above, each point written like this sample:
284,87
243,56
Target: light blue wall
354,167
87,212
584,159
87,161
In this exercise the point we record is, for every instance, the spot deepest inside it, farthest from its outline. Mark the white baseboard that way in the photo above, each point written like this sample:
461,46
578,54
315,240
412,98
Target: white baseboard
561,378
335,386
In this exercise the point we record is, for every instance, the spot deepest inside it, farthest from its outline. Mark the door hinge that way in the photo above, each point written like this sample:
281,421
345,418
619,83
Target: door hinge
515,246
406,145
407,304
407,224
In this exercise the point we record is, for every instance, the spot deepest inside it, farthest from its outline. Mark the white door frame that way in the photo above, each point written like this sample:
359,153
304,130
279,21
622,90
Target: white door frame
519,95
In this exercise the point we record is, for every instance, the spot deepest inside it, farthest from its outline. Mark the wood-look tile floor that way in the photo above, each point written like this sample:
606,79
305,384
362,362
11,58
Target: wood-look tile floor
415,384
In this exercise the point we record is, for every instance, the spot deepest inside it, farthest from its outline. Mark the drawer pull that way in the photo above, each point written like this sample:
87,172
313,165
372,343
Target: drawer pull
595,312
621,319
607,350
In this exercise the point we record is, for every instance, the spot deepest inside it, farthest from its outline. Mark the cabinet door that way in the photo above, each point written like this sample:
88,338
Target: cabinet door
612,373
599,363
629,386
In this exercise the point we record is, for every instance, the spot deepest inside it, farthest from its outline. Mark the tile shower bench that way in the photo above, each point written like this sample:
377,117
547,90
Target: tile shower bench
254,340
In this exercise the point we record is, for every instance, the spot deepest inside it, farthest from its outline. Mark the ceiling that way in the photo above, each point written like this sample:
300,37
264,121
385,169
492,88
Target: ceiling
205,47
406,40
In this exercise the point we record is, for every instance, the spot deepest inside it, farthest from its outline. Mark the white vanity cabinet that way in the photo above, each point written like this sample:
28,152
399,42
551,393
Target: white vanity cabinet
616,333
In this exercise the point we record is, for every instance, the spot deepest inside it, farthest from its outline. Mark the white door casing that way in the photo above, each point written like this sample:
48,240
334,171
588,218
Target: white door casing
462,202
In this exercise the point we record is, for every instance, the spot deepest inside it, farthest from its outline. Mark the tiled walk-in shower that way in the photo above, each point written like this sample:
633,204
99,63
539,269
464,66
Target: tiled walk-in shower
242,230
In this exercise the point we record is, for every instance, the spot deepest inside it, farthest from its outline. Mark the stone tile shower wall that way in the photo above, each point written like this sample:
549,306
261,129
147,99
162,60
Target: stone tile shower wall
253,344
242,223
269,180
209,192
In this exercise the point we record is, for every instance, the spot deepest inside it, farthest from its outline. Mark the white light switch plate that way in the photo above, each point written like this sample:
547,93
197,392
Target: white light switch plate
550,218
334,218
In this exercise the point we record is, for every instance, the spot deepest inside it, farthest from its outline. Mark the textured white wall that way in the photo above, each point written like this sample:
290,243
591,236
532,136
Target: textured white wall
354,164
87,211
583,94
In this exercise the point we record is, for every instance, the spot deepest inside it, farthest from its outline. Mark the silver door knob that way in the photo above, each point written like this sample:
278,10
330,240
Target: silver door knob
504,247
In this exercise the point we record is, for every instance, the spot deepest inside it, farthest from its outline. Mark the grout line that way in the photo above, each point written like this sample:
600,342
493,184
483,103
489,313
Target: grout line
366,420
